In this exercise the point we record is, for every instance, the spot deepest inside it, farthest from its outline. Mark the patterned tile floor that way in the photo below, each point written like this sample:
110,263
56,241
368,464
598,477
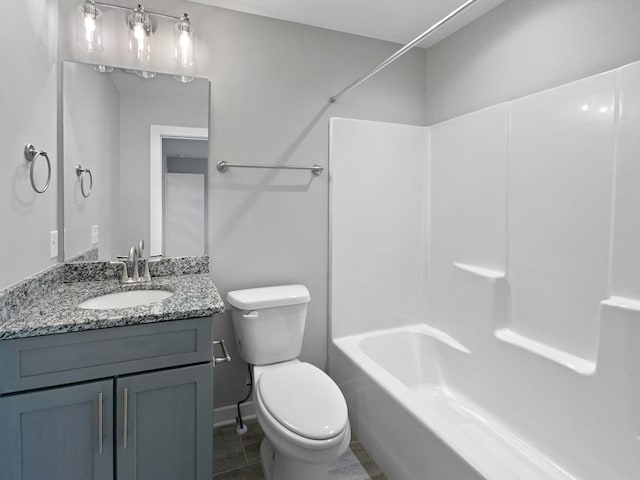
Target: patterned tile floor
237,457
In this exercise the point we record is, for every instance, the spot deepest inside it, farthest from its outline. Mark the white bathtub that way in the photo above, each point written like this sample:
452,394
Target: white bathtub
413,425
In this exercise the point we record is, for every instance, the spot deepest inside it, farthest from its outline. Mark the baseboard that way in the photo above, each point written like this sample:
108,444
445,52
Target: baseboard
227,415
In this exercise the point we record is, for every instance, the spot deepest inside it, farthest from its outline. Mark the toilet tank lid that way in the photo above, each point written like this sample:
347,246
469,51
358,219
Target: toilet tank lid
266,297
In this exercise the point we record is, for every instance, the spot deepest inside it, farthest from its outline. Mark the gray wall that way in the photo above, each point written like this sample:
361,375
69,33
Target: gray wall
165,102
525,46
270,89
28,115
91,116
270,85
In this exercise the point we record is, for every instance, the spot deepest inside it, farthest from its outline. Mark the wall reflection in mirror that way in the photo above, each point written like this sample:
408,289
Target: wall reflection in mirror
144,140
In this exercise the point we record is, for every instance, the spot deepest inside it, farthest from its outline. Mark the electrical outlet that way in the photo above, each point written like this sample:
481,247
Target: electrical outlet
53,244
94,235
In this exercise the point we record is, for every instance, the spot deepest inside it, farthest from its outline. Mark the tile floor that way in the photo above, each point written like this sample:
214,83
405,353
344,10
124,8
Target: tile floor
237,457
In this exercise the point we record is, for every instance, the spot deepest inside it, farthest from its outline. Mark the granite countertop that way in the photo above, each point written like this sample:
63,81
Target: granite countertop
55,310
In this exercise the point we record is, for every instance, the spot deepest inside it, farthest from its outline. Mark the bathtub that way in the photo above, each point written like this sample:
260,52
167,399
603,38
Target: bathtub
415,426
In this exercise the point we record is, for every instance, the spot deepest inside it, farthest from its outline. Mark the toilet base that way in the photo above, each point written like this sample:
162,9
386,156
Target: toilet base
277,466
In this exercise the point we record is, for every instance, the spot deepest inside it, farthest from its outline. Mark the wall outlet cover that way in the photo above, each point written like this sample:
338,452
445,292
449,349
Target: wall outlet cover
95,235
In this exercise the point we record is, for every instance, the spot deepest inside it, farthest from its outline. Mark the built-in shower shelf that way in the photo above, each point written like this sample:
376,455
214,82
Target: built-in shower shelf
623,303
578,364
480,271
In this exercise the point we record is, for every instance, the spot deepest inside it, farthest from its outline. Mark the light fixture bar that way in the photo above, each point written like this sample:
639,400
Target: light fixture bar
120,7
142,25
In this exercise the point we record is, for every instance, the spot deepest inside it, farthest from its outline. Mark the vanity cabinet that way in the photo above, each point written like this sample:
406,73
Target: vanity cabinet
58,434
161,433
134,402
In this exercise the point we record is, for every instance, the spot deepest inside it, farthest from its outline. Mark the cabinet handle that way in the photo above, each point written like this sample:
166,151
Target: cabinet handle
100,423
125,417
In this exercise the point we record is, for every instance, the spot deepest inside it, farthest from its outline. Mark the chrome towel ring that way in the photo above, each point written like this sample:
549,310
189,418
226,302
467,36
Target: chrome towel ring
31,154
80,172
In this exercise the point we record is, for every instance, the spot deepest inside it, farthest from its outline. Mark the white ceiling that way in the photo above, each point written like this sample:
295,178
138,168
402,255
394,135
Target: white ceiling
393,20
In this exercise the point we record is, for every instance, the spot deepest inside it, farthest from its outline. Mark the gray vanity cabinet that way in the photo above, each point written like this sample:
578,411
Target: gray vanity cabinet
65,400
164,425
59,434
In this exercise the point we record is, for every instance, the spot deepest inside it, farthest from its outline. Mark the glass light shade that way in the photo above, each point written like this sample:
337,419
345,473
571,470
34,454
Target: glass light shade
89,27
184,48
184,78
140,30
103,68
145,74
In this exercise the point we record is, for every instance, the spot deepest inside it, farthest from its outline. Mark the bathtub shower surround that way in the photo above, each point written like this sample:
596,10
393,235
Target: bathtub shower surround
505,343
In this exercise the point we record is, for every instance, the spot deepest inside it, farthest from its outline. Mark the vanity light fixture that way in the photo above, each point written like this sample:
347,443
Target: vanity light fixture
141,25
140,30
184,78
103,68
183,44
145,73
89,27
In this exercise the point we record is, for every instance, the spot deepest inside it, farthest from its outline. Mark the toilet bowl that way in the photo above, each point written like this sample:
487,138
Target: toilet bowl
300,408
304,420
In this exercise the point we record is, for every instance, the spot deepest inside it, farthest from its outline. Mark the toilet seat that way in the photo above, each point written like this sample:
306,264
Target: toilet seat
296,446
304,400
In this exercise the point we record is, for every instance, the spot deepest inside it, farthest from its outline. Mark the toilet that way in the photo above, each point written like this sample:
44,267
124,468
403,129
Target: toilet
300,409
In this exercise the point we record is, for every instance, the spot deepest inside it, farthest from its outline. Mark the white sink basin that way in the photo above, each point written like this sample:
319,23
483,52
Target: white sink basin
131,298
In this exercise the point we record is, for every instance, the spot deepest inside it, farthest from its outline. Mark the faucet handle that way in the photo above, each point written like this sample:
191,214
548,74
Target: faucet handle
124,278
140,248
133,257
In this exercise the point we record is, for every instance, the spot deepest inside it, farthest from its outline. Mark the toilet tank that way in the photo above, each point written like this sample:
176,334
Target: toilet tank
269,322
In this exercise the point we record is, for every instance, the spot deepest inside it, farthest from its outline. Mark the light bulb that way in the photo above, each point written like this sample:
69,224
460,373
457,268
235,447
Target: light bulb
140,30
89,27
183,44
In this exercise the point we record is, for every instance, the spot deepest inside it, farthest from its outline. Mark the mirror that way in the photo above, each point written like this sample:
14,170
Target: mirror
135,162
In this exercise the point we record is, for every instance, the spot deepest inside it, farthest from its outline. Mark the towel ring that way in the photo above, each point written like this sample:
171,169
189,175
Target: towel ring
31,154
80,172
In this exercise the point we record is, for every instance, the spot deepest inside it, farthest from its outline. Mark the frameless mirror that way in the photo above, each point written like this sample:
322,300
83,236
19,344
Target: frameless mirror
135,162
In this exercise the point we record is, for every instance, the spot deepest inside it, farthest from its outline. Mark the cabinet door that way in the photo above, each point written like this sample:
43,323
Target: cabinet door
64,433
165,425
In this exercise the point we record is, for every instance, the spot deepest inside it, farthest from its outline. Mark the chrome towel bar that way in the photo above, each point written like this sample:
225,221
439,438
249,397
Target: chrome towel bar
315,169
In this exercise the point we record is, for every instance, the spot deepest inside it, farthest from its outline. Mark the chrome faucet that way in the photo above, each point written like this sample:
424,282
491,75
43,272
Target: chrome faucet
146,276
135,254
124,278
133,257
